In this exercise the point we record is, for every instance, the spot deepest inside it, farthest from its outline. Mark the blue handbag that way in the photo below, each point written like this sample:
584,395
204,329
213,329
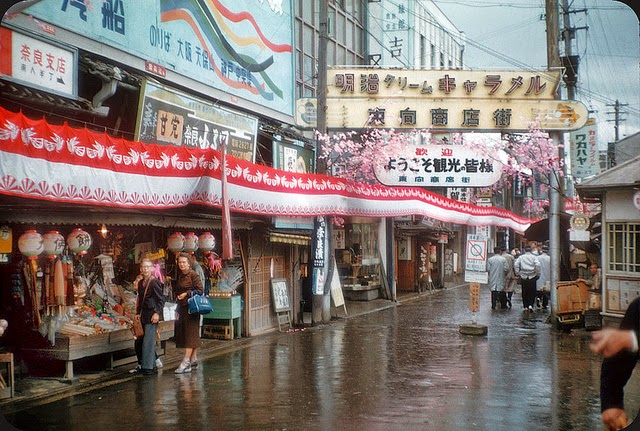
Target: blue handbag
199,304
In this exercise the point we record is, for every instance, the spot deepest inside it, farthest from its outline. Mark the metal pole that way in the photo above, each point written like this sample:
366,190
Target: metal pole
553,62
321,304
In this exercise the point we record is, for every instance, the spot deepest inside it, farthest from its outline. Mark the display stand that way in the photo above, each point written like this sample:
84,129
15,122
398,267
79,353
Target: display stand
281,303
227,309
6,383
69,348
283,319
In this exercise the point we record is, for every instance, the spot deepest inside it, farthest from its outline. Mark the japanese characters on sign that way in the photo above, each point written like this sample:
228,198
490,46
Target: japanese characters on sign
319,235
170,117
200,40
585,158
385,83
438,166
38,63
454,114
461,194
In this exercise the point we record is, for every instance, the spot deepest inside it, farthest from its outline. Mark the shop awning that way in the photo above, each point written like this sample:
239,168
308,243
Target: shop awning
287,238
63,164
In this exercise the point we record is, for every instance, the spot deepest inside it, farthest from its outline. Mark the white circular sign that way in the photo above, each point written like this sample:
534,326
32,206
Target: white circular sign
636,200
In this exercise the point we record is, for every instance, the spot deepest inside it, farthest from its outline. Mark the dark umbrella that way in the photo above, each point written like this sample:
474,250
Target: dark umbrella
539,231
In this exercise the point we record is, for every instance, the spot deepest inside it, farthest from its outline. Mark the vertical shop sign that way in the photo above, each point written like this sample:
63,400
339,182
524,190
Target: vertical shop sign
319,236
585,158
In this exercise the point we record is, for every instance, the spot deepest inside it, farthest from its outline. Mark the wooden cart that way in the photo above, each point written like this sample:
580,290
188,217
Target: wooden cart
573,301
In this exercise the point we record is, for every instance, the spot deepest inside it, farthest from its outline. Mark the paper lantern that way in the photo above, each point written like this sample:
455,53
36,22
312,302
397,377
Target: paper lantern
175,242
190,242
30,244
207,242
79,241
53,243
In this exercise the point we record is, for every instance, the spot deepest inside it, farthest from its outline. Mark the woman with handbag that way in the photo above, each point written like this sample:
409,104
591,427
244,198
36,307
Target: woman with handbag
149,307
187,330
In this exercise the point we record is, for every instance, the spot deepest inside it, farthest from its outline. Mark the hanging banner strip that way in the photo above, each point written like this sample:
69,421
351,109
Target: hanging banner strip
59,163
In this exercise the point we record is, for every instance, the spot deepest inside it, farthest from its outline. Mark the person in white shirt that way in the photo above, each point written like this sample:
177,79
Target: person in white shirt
527,267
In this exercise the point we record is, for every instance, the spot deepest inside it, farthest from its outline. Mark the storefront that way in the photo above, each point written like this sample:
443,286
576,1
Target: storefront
617,191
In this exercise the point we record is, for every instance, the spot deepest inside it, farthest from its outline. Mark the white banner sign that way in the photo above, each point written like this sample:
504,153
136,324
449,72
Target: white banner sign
438,166
37,63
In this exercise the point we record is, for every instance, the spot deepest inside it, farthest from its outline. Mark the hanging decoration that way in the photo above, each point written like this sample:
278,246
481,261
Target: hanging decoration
79,241
94,168
30,244
53,243
207,242
175,242
190,242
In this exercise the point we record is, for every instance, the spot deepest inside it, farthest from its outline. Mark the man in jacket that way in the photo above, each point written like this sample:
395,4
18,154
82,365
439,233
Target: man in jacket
527,267
620,350
497,266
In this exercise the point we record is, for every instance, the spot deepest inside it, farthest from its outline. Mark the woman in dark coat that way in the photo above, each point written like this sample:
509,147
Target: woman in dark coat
187,329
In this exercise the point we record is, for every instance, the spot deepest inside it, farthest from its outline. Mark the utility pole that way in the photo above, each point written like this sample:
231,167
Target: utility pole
321,305
553,63
611,152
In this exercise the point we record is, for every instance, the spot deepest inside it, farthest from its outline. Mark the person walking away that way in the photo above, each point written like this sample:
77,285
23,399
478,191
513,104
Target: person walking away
187,329
619,347
527,268
595,280
149,306
511,279
542,285
497,266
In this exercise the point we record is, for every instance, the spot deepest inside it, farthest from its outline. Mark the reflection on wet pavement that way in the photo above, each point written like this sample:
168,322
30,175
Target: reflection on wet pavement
404,368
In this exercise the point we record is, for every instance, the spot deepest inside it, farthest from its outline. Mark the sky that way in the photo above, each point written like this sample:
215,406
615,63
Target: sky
510,34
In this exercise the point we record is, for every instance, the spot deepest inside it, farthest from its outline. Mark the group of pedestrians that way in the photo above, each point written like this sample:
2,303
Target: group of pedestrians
531,270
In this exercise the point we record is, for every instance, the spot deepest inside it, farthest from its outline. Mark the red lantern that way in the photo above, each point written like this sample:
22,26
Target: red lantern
53,243
207,242
175,242
79,241
30,244
190,242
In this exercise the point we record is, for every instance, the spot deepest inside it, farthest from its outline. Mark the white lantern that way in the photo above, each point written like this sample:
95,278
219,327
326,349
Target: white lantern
53,243
79,241
207,242
175,242
30,244
190,242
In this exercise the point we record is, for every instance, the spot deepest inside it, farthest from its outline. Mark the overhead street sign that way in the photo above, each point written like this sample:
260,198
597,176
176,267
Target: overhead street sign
442,84
462,115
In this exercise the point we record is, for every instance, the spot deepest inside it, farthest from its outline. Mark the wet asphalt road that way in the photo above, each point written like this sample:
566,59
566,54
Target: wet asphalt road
404,368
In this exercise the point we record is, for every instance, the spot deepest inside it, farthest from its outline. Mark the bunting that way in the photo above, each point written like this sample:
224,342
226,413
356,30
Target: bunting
59,163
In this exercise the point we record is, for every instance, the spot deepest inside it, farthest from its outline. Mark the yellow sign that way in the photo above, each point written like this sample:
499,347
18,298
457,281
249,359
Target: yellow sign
6,239
442,84
464,115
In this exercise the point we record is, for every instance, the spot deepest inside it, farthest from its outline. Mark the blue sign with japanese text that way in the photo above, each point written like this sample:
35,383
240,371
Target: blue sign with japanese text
242,47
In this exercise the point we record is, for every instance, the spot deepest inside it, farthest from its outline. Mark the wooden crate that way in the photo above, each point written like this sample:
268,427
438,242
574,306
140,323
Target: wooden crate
218,332
573,296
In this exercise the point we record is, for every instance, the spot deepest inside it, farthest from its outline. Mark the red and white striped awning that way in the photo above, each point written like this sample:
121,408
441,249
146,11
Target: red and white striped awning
64,164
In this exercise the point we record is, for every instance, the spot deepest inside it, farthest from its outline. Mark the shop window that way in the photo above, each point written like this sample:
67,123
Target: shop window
624,252
359,261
